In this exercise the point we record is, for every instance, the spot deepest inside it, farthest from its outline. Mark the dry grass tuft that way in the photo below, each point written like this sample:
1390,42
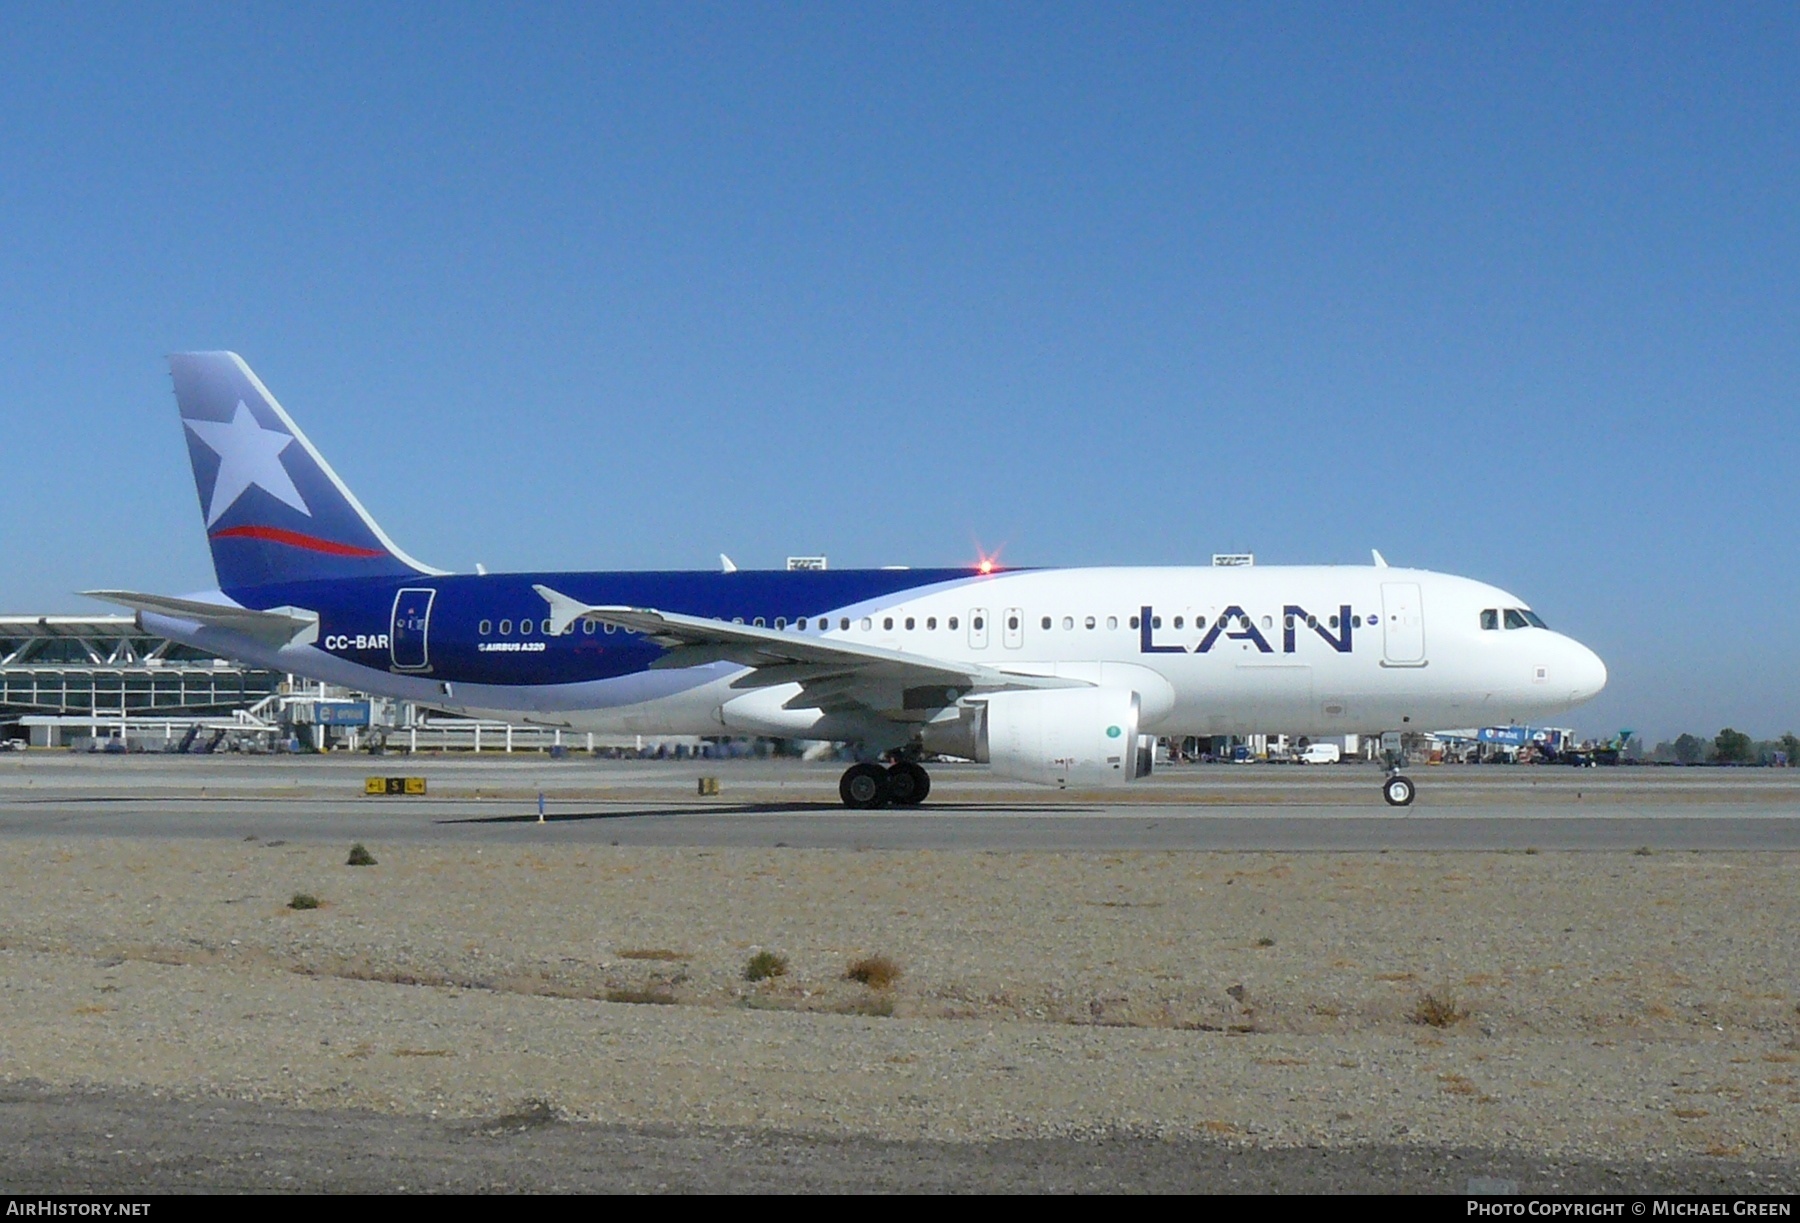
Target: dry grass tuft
764,965
654,996
652,953
874,971
1434,1012
303,900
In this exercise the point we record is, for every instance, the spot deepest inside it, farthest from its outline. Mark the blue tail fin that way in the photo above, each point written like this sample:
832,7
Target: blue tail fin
274,509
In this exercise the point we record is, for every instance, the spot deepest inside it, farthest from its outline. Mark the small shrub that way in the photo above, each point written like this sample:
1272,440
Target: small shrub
765,964
877,1006
874,971
651,953
1434,1012
1643,851
1265,941
360,856
303,900
654,996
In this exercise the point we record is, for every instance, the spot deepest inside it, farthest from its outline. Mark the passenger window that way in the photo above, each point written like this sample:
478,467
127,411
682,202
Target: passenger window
611,628
1046,621
1112,622
1268,622
1134,622
526,627
866,624
909,624
1515,619
952,623
1490,618
843,624
1090,622
1334,622
780,621
978,624
1177,621
1155,621
800,624
1355,621
1287,622
1068,622
506,628
485,626
1312,622
887,623
931,622
1012,624
1199,622
587,627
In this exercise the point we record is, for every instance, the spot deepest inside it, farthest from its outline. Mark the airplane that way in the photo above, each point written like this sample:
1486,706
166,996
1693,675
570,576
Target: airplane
1062,677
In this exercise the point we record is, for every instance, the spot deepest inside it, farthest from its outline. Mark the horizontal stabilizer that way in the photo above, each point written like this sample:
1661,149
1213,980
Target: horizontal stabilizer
279,626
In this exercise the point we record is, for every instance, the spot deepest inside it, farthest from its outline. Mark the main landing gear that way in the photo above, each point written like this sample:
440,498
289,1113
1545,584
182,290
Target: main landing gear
868,786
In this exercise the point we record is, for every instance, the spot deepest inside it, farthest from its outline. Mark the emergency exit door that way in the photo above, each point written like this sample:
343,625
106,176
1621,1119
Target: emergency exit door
409,634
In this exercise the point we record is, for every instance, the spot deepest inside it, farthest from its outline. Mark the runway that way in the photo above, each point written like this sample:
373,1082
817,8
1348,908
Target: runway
765,804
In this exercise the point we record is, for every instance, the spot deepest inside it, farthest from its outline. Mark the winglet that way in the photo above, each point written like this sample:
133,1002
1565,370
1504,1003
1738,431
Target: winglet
725,564
1380,560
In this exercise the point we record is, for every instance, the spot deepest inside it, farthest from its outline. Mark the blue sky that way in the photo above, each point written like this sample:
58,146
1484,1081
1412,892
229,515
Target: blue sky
1511,291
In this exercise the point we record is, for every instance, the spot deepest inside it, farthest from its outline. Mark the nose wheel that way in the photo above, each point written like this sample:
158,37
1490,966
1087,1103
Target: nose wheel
1399,790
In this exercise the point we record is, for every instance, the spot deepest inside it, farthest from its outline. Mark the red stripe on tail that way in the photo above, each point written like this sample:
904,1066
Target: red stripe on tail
295,539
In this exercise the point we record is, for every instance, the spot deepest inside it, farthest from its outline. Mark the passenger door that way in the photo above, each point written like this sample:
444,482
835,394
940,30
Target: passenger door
409,633
1402,624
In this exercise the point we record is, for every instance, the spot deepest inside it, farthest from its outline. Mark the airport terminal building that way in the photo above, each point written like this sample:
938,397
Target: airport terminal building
102,682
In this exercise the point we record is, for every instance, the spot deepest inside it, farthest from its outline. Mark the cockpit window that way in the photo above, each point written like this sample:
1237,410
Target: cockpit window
1532,618
1516,618
1490,618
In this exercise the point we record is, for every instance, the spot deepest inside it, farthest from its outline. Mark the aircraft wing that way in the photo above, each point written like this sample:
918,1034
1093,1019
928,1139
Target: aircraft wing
279,626
833,673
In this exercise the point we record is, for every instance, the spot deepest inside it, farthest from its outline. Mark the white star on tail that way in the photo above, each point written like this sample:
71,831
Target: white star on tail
248,454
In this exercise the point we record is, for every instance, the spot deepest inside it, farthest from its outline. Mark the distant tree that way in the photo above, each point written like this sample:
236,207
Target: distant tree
1689,749
1791,745
1733,747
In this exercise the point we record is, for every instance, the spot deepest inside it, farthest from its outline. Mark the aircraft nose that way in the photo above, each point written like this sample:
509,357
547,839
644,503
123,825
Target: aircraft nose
1587,674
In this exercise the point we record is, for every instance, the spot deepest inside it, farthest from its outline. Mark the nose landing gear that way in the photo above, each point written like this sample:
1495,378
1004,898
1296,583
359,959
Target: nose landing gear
1399,790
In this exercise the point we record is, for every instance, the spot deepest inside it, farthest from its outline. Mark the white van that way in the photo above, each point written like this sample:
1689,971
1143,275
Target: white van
1320,753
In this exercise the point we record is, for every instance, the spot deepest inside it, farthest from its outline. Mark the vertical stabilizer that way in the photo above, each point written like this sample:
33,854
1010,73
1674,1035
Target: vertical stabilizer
274,510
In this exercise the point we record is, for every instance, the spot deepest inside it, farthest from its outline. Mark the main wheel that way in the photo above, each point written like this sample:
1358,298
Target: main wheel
1398,791
864,787
908,784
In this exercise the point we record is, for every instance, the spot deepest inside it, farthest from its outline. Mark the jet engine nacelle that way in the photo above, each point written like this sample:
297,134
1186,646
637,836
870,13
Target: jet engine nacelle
1058,737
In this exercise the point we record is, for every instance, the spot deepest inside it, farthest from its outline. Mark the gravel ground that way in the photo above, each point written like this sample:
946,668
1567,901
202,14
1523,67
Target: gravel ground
1629,1016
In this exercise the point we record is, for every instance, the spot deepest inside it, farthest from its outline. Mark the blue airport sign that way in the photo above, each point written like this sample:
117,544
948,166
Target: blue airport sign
342,713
